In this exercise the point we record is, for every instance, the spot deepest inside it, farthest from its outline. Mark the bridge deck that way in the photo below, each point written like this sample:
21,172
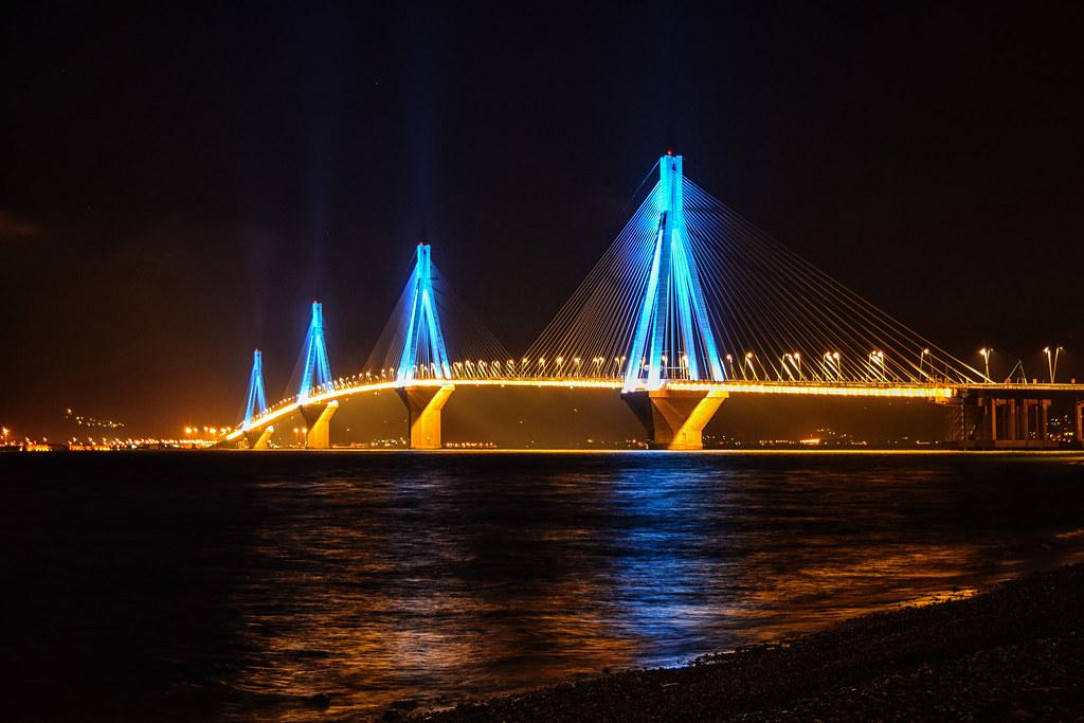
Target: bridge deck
895,390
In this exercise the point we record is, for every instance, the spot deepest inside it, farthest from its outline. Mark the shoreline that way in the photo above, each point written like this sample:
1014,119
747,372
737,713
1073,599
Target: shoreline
1013,652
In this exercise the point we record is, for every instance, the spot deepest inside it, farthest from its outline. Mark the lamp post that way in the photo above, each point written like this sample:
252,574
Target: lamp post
877,359
985,352
784,368
834,368
1052,361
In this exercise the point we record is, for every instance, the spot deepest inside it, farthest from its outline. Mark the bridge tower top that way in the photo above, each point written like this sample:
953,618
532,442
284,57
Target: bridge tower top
316,372
256,399
423,329
673,337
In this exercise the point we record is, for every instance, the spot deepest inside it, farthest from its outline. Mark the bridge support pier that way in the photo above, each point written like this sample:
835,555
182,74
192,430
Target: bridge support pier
1011,419
1079,406
991,418
1015,422
259,438
675,419
424,405
318,421
1025,419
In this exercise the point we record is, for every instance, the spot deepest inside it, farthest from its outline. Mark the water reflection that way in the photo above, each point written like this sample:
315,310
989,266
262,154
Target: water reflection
242,585
423,577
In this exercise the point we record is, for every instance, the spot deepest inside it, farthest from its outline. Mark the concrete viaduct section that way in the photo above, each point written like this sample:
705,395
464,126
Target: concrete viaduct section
1079,419
1009,419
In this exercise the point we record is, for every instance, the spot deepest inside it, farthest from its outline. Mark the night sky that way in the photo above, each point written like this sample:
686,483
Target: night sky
177,184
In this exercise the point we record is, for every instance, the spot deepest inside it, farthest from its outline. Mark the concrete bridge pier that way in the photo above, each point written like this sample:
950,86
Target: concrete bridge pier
424,405
318,422
1079,406
1010,423
259,438
675,419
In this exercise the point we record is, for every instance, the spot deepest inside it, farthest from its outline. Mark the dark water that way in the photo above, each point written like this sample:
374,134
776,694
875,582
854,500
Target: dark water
236,585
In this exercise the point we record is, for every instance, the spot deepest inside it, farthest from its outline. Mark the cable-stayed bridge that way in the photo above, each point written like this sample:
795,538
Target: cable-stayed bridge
689,305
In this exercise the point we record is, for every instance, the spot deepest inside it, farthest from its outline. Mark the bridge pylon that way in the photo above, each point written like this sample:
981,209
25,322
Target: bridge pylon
673,336
316,372
423,330
423,348
256,399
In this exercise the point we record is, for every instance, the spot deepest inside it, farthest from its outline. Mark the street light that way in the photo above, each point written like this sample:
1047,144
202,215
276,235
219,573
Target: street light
1052,361
834,367
784,368
877,359
985,351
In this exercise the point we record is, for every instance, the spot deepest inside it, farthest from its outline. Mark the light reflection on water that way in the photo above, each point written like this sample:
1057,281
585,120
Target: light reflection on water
373,578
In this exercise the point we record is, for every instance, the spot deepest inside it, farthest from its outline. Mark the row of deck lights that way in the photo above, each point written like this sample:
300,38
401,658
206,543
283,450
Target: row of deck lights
790,363
832,366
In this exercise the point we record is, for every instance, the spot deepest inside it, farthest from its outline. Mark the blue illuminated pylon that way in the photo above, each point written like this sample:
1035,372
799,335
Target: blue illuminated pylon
422,324
256,401
317,370
673,308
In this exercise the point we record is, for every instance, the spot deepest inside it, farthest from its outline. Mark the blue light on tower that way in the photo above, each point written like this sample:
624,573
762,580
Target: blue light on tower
673,298
422,324
256,400
317,371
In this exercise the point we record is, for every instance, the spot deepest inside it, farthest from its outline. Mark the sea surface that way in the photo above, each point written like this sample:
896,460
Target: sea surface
300,586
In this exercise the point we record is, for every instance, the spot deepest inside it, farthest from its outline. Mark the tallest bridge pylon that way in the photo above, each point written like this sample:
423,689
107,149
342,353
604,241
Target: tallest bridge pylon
673,336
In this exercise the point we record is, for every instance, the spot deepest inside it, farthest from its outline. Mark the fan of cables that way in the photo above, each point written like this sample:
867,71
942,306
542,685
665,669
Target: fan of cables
771,315
471,350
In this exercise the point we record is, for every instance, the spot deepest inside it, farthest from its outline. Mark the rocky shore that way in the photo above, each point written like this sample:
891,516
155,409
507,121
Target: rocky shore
1014,653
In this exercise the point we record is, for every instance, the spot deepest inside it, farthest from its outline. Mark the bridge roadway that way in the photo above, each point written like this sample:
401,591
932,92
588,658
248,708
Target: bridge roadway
988,415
